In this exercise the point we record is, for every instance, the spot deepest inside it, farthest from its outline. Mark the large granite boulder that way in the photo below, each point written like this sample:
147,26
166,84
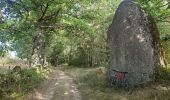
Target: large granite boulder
134,42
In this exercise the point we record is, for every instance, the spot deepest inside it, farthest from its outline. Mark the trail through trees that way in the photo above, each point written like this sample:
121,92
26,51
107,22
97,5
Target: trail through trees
58,86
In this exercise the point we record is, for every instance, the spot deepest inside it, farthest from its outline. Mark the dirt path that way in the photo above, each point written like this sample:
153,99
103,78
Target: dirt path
58,86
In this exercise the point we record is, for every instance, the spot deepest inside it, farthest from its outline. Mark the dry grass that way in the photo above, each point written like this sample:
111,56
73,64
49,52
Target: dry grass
15,85
93,85
10,64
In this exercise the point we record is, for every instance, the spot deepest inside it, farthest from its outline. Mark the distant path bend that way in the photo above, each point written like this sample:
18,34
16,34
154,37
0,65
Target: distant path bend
58,86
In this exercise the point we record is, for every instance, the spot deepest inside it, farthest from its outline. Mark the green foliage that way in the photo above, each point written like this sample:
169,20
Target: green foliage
88,31
165,37
78,59
19,83
159,9
164,74
73,24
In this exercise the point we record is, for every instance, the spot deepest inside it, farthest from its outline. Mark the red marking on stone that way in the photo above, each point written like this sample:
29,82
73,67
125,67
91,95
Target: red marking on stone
119,76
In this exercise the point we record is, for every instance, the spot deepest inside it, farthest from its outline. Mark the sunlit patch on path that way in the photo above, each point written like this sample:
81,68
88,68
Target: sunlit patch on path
57,87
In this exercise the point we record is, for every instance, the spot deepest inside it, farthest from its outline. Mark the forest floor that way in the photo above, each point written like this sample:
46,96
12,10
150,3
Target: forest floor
78,83
93,85
58,86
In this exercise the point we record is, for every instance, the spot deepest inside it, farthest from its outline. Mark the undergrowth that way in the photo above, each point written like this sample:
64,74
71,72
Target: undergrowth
164,74
14,85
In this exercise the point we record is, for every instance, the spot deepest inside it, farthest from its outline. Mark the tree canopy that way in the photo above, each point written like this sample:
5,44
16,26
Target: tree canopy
70,31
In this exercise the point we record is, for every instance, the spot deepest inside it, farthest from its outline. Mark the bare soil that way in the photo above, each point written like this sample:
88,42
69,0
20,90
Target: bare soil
58,86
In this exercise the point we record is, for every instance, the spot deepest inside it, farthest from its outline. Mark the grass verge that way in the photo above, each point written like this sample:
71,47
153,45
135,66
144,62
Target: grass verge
14,85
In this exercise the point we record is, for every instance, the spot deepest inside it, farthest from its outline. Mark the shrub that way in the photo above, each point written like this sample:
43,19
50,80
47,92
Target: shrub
164,74
19,83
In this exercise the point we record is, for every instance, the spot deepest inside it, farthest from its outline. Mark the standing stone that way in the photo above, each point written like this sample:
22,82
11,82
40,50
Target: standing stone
133,40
